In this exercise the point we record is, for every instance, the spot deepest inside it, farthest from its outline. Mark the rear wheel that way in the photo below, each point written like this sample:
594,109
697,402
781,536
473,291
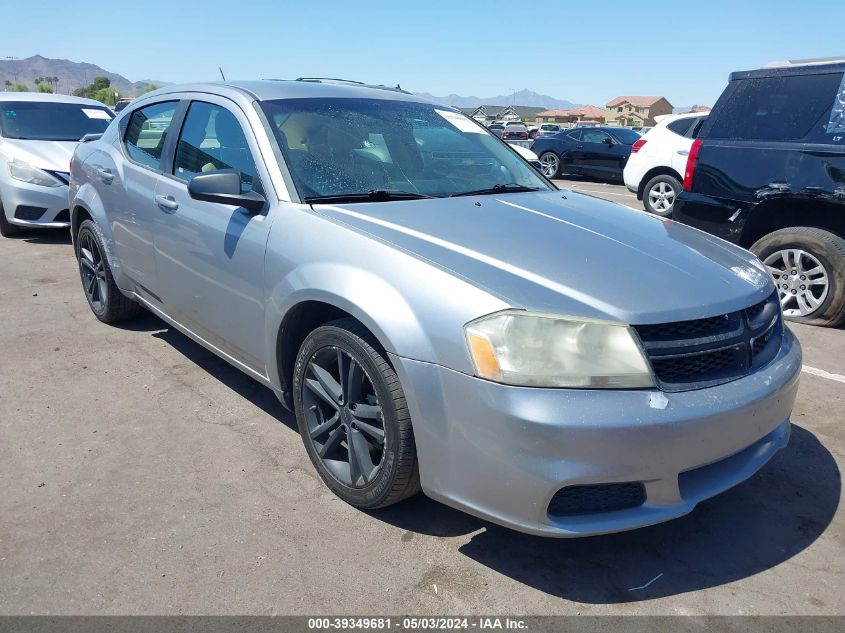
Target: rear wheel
551,164
7,229
353,417
659,195
808,267
104,297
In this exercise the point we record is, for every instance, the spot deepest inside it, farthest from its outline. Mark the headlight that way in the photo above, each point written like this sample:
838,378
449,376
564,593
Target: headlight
34,176
543,350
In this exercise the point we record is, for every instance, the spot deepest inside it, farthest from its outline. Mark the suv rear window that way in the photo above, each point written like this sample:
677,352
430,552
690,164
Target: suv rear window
785,108
681,126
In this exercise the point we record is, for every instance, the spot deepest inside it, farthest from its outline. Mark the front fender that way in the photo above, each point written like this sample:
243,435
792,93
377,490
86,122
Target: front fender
370,299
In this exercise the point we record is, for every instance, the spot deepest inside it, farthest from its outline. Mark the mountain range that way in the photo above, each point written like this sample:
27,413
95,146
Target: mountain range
520,98
72,75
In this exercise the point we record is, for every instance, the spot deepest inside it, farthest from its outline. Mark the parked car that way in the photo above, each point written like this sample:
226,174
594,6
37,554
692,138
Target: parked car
120,104
38,133
514,131
768,173
437,314
658,160
547,129
497,127
596,152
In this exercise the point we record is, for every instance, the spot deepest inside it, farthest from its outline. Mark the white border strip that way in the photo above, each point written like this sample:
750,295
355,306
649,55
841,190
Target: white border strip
823,374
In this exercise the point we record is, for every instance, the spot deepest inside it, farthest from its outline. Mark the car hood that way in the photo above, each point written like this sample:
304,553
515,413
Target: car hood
52,155
569,253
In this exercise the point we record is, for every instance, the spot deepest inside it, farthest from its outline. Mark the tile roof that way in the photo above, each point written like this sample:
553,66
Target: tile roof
640,102
588,111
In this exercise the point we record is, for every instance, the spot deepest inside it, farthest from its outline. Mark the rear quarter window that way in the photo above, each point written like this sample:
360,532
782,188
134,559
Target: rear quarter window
781,108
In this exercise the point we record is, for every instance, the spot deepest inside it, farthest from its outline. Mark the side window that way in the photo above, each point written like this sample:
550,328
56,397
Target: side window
575,135
147,131
212,139
681,126
593,136
696,127
782,108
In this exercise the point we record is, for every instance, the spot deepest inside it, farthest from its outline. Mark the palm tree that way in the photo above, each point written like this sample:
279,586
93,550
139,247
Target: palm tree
8,84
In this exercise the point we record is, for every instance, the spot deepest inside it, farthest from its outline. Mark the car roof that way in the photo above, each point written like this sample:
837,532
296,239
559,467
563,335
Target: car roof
794,68
302,88
47,97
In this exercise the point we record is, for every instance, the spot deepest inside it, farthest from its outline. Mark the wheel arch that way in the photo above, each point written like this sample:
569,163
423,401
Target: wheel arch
781,213
660,170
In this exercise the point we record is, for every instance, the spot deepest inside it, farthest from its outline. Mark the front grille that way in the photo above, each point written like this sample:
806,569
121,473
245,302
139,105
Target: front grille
595,498
713,350
25,212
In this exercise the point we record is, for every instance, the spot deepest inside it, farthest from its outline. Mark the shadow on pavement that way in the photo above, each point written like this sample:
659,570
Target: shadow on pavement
759,524
45,236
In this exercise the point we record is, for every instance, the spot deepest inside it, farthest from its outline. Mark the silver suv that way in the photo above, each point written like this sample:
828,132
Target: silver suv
437,314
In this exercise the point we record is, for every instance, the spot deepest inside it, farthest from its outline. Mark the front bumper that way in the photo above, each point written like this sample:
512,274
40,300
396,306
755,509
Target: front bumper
35,206
501,453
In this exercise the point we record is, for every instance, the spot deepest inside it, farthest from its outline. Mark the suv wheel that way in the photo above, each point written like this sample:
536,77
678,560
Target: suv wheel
659,195
353,417
551,164
7,229
104,297
808,267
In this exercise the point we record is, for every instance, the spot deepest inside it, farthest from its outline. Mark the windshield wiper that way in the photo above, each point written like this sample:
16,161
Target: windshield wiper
501,188
373,195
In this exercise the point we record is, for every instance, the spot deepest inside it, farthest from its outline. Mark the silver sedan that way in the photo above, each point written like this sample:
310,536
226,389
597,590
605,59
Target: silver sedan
438,315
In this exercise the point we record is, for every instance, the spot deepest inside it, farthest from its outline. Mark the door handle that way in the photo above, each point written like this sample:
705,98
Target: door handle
579,147
167,203
105,175
683,152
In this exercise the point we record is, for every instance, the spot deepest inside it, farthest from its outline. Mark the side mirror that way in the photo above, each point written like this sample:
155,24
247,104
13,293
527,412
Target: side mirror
223,186
608,141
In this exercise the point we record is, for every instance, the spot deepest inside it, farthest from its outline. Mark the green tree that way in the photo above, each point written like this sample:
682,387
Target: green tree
43,87
19,87
89,91
150,88
8,83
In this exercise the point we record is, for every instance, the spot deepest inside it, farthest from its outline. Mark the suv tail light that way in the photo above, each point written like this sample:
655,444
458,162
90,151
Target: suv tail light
692,159
638,145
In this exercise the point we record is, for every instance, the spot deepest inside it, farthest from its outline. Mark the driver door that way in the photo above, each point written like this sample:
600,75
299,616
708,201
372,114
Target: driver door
210,256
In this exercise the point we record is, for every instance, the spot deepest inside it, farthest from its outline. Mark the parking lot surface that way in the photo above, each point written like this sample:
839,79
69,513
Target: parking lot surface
141,474
617,193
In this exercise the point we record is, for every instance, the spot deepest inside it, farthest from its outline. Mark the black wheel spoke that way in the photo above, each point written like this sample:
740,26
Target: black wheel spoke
86,263
367,411
327,381
335,437
354,382
326,426
373,431
360,461
318,389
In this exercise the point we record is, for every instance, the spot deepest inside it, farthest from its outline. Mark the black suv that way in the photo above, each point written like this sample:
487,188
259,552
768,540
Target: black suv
768,173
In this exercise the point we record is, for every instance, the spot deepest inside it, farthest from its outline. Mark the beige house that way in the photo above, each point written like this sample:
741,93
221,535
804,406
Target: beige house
586,113
636,111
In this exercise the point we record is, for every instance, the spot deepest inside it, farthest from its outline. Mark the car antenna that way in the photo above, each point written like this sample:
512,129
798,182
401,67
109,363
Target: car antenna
221,73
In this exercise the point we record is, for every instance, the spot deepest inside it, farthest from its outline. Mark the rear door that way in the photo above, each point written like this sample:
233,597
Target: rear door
127,188
210,256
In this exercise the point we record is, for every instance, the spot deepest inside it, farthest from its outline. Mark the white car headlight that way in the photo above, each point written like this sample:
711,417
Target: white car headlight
545,350
25,172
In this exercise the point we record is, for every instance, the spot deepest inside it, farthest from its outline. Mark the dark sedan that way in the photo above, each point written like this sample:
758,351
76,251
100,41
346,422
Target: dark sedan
597,152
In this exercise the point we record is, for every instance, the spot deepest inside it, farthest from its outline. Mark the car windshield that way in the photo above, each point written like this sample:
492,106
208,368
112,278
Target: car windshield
341,146
51,121
628,137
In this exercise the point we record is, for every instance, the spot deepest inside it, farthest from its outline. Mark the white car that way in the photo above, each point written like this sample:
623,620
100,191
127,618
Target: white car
38,133
655,169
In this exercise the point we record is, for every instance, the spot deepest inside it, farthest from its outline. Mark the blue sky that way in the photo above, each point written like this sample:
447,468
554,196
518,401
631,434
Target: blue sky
587,52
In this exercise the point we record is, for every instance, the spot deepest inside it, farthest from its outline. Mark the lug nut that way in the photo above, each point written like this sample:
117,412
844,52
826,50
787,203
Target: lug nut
794,272
785,286
803,277
803,287
795,292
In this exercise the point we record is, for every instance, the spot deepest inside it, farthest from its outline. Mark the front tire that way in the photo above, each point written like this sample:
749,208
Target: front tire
7,229
808,267
106,301
659,195
551,164
353,417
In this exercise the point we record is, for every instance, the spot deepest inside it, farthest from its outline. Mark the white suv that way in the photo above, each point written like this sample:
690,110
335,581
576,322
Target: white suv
655,169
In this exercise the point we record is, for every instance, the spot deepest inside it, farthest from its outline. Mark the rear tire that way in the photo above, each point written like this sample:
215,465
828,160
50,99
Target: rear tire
659,195
7,229
105,299
805,249
551,164
363,406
